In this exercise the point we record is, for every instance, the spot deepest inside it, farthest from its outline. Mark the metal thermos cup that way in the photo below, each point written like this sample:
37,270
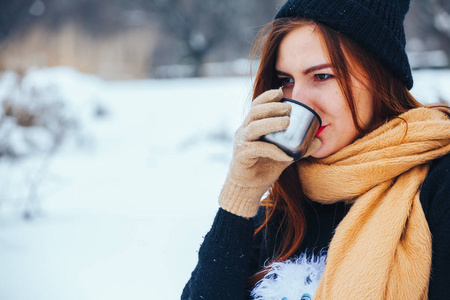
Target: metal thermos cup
295,140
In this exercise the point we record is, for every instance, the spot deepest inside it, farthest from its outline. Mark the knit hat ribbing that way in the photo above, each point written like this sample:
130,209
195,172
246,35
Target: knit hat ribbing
377,25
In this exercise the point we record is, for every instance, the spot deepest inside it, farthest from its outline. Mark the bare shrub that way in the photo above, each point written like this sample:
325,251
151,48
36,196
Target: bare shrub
35,121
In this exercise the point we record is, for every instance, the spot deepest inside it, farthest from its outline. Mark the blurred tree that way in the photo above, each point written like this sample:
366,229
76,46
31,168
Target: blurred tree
101,36
95,16
198,28
428,24
14,14
192,32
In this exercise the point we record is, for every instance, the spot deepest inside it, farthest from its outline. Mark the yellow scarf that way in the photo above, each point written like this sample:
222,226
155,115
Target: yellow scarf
382,248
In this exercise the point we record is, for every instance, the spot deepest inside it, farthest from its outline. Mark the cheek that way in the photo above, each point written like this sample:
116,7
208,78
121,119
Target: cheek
350,132
329,104
367,112
364,104
337,107
287,93
365,109
336,99
346,130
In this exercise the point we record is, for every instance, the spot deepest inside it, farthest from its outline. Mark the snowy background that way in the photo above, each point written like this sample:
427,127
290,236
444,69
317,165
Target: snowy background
111,198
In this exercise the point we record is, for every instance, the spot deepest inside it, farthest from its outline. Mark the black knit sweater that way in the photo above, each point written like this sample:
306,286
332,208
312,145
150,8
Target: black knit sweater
230,254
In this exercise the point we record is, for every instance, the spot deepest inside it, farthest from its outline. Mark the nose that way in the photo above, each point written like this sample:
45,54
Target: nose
301,94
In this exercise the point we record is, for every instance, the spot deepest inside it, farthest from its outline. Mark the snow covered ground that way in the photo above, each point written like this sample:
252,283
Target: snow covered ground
122,217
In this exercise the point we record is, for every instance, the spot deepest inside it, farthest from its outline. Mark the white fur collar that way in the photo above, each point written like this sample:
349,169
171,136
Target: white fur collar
294,279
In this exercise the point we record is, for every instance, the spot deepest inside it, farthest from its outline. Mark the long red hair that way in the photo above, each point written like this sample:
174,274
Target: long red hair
390,96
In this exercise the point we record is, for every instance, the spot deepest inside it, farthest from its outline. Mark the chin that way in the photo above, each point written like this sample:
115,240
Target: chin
324,151
320,153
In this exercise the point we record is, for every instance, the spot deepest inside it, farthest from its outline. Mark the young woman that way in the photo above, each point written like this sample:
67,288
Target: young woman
373,200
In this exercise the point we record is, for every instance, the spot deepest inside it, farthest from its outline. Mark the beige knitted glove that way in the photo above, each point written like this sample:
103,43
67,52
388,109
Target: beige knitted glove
256,165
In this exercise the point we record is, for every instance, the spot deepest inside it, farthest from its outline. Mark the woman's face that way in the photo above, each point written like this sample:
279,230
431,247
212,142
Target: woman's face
304,69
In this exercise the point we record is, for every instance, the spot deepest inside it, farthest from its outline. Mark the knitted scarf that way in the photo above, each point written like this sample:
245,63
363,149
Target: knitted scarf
382,248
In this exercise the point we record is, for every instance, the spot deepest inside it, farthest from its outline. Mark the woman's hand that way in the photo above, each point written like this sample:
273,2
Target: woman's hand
256,165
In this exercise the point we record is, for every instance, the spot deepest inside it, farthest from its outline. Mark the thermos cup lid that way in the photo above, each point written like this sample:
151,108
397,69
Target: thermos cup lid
297,137
305,106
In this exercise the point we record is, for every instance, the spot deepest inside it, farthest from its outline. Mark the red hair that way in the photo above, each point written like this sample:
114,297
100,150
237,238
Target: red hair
390,96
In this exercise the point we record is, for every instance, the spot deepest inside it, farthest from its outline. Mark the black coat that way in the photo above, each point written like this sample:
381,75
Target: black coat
230,254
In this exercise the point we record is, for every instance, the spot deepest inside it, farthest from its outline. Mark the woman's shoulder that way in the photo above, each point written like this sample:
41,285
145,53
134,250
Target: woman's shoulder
435,191
438,178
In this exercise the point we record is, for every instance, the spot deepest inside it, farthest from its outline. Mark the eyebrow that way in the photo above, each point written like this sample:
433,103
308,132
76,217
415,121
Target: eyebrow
316,68
280,73
307,71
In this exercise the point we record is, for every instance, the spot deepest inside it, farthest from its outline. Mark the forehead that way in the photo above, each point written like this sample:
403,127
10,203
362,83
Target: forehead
301,48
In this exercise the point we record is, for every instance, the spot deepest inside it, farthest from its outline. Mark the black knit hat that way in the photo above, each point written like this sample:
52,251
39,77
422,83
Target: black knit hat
377,25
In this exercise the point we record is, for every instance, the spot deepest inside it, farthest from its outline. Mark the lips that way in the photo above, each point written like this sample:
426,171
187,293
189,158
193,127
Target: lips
320,130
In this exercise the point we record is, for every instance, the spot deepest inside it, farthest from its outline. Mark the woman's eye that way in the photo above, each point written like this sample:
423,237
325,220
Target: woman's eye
286,80
322,77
